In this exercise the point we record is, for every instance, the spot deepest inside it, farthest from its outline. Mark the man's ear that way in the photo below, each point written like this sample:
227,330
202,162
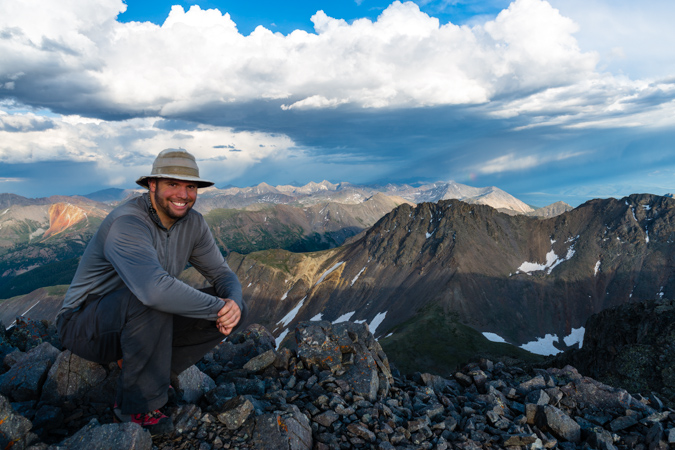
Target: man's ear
152,184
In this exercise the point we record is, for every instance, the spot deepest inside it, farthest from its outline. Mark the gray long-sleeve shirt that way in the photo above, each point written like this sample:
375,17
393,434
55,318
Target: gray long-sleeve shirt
132,248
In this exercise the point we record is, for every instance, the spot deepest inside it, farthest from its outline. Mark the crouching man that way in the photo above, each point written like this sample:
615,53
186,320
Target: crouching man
125,301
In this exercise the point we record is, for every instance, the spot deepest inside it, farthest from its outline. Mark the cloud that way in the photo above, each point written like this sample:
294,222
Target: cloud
512,162
631,38
77,58
404,97
130,146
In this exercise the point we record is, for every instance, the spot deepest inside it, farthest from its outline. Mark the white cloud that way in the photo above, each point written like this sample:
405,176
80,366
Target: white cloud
526,62
129,147
631,38
198,57
513,162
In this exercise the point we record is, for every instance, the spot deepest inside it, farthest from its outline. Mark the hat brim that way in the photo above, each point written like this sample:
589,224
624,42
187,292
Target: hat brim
201,183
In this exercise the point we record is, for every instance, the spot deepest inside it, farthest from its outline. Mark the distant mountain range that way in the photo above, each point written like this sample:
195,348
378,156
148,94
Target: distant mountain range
35,233
345,193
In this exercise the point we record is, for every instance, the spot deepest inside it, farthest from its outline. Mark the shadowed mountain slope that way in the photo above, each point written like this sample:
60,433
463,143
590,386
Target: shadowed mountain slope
518,277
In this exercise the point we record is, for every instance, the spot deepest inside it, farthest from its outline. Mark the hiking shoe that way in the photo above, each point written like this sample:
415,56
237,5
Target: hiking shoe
155,421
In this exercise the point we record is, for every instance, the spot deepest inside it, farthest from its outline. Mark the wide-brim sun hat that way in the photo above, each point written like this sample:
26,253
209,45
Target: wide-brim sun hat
175,163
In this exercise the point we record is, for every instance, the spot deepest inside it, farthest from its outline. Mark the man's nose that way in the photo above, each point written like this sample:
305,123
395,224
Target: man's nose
182,192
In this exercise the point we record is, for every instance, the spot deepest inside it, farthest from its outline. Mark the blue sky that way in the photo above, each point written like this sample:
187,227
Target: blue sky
548,100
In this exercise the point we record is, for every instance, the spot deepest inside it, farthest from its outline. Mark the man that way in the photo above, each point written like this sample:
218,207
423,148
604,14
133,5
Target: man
126,303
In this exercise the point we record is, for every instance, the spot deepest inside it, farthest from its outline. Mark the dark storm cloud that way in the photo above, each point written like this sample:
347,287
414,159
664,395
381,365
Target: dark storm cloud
51,178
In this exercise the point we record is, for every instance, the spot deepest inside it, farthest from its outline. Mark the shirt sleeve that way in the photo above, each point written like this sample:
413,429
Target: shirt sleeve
130,250
208,260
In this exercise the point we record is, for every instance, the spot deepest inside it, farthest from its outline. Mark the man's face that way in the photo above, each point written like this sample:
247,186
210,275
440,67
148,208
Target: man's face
172,199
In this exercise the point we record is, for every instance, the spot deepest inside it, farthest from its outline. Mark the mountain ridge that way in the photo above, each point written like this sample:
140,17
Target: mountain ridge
473,259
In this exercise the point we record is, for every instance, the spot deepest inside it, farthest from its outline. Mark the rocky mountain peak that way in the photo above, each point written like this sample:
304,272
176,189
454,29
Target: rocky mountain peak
63,216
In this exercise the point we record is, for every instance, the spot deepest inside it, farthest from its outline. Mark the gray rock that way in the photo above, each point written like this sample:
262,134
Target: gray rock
24,380
123,436
261,362
558,423
317,347
13,427
326,418
591,392
287,430
360,430
192,384
71,377
671,436
185,418
235,412
518,440
362,376
48,417
654,438
436,382
600,439
623,422
538,397
537,382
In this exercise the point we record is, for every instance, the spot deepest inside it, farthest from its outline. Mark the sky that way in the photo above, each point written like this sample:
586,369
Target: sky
548,100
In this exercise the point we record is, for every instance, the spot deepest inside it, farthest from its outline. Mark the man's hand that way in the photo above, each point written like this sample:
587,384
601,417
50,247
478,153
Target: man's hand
228,316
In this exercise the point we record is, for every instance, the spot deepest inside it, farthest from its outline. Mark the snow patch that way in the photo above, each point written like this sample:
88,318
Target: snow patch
428,235
647,207
377,320
575,336
249,285
528,267
38,232
344,317
596,269
552,259
292,313
316,318
570,253
492,337
659,294
357,276
281,337
329,271
283,297
542,346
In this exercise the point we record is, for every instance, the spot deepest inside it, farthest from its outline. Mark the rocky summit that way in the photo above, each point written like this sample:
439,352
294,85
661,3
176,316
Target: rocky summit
334,389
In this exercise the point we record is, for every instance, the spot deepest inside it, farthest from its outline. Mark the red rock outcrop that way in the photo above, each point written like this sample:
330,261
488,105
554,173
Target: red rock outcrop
63,216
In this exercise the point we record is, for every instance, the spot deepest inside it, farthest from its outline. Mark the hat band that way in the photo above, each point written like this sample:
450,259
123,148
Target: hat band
176,170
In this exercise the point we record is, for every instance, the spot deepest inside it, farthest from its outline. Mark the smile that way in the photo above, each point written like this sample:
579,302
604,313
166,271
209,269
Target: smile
180,205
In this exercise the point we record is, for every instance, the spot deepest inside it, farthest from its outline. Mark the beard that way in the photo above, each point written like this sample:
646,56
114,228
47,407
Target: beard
164,205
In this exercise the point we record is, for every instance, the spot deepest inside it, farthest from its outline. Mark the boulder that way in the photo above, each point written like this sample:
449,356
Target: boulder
13,427
94,436
24,380
349,351
235,412
71,377
283,430
192,384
